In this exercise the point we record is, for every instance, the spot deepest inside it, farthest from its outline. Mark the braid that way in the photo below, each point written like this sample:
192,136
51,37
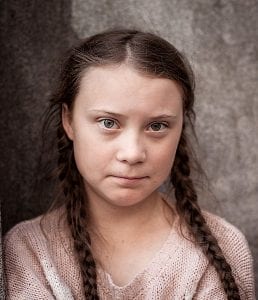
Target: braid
188,208
71,184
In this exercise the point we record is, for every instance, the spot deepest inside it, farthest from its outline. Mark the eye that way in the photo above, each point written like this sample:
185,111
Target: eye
158,126
108,124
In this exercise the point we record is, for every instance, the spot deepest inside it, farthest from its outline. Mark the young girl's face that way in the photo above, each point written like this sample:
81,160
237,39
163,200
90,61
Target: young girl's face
125,129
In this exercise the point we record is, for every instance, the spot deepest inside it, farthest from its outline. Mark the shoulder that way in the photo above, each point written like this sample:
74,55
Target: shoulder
34,261
30,243
229,236
236,250
32,231
23,231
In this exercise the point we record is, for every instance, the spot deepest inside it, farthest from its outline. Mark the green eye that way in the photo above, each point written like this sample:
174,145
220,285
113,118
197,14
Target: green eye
158,126
107,123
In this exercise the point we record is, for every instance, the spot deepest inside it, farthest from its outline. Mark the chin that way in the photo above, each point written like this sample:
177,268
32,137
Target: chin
127,199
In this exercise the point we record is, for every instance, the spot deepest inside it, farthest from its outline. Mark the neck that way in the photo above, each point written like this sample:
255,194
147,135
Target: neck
111,221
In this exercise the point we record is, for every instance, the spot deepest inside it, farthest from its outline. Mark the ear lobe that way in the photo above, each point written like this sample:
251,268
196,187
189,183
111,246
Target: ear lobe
67,122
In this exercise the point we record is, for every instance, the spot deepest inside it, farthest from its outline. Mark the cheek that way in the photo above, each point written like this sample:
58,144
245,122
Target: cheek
167,154
90,156
166,160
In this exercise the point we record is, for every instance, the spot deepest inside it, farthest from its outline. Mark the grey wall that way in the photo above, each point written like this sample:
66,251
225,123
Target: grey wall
219,37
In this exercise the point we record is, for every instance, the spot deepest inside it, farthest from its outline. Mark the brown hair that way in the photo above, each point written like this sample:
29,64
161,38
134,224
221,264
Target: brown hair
151,55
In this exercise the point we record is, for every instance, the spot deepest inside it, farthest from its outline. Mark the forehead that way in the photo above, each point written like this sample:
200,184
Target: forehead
123,88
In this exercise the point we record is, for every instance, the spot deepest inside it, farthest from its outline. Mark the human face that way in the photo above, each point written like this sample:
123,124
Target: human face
125,129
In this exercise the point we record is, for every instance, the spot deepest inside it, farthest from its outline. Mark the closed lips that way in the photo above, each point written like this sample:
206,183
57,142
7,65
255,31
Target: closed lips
131,178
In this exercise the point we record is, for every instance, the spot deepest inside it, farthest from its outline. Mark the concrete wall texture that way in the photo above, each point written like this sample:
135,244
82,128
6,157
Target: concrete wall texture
220,37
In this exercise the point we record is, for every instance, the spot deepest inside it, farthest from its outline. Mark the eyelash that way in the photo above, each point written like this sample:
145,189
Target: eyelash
165,124
106,119
160,123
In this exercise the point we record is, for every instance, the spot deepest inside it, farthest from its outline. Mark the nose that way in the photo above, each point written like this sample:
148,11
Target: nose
131,149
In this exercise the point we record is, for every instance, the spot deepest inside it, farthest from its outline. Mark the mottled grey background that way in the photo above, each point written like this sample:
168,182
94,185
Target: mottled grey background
219,37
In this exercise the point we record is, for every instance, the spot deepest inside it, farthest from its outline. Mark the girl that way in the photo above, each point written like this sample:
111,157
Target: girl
121,112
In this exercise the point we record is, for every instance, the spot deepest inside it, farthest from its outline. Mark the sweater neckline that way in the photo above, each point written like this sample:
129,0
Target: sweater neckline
149,273
163,258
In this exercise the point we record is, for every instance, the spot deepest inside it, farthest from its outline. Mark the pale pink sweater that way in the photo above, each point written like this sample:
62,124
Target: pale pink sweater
40,268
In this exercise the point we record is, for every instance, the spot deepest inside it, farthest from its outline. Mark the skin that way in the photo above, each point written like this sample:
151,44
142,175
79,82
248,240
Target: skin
125,129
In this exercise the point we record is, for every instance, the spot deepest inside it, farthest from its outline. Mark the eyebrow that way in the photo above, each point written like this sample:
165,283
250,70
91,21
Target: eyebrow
117,115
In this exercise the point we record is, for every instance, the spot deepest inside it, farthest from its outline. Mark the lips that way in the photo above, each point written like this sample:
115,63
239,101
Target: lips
129,181
130,177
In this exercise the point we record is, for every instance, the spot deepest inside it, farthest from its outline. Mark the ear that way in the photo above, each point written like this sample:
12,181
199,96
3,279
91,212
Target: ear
67,121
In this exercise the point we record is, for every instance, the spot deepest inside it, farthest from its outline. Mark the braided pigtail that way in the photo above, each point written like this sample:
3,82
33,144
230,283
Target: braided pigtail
187,206
72,187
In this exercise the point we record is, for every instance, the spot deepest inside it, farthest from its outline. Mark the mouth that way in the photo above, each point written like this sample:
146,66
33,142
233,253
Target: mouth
128,180
131,178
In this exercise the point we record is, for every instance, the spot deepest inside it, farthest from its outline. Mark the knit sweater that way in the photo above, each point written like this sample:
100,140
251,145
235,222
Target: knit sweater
42,265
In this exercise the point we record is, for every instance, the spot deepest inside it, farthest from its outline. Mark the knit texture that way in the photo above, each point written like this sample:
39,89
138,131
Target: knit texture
40,264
